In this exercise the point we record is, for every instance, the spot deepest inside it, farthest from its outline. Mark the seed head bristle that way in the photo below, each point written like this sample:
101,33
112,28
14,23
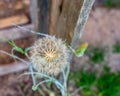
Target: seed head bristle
49,55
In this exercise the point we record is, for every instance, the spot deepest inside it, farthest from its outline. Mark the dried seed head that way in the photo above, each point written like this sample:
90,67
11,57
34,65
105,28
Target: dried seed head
49,55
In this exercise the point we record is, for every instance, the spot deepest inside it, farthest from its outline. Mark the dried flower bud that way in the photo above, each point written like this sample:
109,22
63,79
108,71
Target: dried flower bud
49,55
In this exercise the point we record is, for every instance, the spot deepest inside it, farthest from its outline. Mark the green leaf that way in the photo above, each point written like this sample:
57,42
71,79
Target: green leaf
80,51
18,49
34,88
12,43
6,40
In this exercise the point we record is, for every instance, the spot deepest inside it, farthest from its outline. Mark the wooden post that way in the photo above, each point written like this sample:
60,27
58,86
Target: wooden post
68,17
82,19
39,15
63,16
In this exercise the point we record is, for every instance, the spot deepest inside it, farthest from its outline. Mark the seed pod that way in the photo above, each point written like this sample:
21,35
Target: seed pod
49,55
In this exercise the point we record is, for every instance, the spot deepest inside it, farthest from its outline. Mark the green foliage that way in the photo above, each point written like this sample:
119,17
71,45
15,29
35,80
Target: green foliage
112,3
117,48
96,55
86,80
109,3
107,84
83,78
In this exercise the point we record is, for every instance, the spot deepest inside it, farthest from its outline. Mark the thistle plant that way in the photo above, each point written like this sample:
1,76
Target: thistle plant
49,57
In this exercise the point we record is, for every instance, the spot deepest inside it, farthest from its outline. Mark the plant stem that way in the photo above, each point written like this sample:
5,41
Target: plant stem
14,57
37,33
83,16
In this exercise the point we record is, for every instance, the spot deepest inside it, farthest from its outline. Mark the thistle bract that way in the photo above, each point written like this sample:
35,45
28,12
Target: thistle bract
49,55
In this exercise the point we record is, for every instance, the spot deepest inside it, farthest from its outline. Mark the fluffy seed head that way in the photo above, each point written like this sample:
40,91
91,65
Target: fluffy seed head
49,55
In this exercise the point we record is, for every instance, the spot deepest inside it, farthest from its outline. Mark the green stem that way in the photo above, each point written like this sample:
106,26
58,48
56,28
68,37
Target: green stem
42,82
14,57
37,33
31,70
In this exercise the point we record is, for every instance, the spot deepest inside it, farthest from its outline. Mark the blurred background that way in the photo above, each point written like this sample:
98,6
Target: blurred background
97,73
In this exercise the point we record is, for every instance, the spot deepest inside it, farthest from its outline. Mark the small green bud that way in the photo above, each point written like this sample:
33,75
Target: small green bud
81,50
34,88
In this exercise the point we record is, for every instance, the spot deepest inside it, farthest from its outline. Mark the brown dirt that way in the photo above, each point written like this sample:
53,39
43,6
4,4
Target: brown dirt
11,85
